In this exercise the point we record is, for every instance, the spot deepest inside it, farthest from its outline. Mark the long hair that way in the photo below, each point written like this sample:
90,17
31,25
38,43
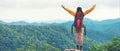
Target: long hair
79,9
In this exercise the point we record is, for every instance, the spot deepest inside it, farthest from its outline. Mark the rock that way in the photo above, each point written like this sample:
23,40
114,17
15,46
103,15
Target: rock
71,50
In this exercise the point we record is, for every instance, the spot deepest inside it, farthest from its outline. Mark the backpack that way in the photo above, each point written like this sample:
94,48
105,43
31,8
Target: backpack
78,22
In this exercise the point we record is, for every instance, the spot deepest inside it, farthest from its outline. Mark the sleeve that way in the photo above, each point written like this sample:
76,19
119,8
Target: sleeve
89,10
70,11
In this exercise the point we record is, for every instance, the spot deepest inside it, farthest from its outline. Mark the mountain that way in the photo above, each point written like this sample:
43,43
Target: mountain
23,36
90,24
18,23
30,37
109,21
103,25
41,38
1,22
99,25
86,21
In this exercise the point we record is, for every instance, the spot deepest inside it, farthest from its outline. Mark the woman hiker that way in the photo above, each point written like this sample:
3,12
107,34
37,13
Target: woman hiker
78,23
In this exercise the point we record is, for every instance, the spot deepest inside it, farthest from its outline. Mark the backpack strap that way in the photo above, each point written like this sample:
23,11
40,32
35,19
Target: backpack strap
84,30
72,28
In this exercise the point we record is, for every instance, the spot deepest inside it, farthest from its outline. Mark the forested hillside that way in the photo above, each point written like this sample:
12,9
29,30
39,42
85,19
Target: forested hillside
113,45
20,37
52,37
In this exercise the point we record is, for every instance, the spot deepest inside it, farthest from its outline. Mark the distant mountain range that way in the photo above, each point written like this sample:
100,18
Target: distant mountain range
23,23
99,25
20,35
101,31
90,24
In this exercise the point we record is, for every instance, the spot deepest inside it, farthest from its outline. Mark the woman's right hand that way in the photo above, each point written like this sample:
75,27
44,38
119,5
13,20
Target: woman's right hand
94,5
62,6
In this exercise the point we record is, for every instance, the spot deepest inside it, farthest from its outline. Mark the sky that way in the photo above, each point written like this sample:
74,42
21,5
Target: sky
48,11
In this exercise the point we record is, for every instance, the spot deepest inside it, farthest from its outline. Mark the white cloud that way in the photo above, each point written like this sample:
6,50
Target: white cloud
46,10
104,13
28,3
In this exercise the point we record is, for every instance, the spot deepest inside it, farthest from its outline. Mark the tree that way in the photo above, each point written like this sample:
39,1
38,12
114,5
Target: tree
113,45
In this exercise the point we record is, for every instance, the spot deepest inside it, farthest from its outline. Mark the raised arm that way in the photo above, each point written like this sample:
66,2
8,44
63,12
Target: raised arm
68,10
89,10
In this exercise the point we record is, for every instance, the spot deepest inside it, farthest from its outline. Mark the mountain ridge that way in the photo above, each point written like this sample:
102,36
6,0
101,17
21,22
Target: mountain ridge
54,36
86,20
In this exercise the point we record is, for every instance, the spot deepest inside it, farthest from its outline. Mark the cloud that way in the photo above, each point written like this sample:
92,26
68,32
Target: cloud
104,13
108,3
28,3
55,3
46,10
34,15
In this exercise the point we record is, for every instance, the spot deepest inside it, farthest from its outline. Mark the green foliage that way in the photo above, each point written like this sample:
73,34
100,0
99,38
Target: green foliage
34,38
113,45
48,38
